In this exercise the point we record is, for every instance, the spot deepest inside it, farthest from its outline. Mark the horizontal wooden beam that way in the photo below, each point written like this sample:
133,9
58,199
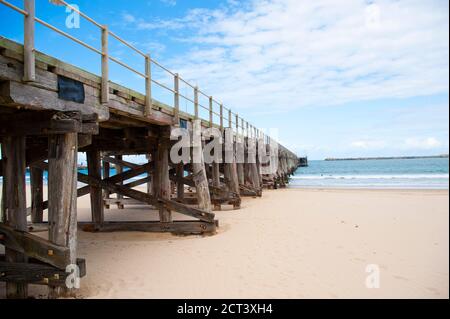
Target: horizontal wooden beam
46,122
179,227
35,247
36,273
123,201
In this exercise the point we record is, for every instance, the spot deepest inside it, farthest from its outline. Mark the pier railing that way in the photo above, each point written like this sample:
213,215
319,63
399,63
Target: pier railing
227,118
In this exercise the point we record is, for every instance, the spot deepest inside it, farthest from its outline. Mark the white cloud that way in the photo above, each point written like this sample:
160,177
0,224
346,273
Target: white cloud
284,54
422,143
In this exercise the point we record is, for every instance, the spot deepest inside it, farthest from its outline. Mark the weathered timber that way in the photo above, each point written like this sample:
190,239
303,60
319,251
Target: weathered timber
37,207
146,198
35,247
177,227
162,179
37,273
119,170
106,173
62,198
94,169
14,148
179,180
199,174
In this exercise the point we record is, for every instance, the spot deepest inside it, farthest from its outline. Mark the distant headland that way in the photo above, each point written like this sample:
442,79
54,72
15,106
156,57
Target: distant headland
384,158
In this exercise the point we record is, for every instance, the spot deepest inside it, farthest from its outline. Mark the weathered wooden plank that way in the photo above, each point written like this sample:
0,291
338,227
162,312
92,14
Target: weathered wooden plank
36,273
14,148
35,247
124,201
178,227
36,98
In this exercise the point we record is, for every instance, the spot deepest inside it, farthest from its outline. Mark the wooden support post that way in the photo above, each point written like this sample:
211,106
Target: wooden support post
3,172
119,170
221,117
230,170
149,174
105,66
211,118
94,169
14,166
162,180
29,51
199,172
148,86
216,174
258,159
62,196
37,196
176,103
180,184
106,173
196,102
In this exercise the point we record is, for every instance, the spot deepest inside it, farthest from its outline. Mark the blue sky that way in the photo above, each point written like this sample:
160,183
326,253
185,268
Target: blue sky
354,78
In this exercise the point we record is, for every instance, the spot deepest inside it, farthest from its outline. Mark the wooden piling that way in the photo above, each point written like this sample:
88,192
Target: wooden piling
14,184
180,184
106,173
119,170
37,196
94,170
199,175
162,179
62,197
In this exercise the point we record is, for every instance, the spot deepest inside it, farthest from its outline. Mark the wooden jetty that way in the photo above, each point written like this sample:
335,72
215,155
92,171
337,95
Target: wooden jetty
51,110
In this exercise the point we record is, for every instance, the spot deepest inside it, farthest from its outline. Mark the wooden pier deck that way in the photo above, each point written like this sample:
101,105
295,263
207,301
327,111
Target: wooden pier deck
51,110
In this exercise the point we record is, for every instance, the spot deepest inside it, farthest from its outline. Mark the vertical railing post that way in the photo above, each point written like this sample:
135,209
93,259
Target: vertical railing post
148,86
105,66
237,124
221,116
196,102
243,127
176,102
230,120
210,111
29,72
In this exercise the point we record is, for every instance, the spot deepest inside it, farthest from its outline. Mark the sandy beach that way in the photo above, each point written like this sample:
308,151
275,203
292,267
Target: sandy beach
291,243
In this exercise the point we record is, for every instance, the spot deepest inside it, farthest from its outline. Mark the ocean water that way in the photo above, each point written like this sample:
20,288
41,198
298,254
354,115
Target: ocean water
430,173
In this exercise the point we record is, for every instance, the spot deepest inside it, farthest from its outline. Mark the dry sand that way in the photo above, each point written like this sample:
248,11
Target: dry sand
290,243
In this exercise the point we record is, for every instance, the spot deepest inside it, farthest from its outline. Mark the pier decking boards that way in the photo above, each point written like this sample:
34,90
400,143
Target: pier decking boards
50,111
